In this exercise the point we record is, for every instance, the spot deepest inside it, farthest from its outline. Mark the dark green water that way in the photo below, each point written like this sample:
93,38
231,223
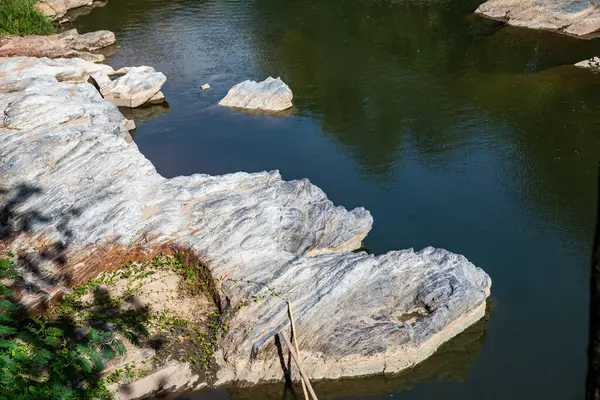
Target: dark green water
454,131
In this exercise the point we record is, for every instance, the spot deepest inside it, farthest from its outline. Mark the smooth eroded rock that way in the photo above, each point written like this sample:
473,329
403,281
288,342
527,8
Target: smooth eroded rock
69,44
575,17
268,95
80,199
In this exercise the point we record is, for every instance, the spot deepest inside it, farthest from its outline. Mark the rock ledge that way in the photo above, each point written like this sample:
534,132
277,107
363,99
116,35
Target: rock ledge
573,17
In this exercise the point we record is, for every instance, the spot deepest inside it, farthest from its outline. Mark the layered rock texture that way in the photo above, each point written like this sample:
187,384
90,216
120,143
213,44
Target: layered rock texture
268,95
574,17
57,9
66,44
77,198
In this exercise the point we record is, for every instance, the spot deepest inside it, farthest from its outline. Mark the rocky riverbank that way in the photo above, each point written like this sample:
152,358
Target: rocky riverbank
573,17
66,44
79,198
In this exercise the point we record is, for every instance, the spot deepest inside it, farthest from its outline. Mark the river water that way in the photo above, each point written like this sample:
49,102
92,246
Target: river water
454,131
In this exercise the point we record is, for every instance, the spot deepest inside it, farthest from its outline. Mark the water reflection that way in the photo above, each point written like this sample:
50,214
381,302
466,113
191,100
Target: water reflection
145,113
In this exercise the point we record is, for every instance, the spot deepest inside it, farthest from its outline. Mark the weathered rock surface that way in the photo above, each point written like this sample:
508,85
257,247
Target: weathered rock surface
56,9
66,44
77,198
268,95
592,63
575,17
138,86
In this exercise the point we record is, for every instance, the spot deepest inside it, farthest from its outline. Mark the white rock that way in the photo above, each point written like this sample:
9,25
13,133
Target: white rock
138,86
269,95
76,184
592,63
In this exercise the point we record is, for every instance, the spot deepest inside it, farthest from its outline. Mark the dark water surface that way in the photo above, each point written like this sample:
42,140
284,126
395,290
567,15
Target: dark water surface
453,131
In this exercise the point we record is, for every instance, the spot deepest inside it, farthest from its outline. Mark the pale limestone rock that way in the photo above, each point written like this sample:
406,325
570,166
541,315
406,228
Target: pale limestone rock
138,86
67,44
575,17
268,95
75,183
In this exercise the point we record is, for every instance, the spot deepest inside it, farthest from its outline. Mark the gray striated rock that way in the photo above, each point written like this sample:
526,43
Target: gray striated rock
80,198
56,9
574,17
269,95
66,44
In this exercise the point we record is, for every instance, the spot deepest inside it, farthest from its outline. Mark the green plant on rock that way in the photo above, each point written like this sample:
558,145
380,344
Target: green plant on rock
21,17
42,358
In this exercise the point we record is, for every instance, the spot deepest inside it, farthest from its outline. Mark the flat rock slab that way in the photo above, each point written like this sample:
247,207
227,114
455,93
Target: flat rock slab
56,9
80,199
69,44
268,95
574,17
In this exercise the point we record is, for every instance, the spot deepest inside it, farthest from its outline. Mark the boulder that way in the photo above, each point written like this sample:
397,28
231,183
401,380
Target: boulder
268,95
574,17
56,9
79,198
67,44
138,86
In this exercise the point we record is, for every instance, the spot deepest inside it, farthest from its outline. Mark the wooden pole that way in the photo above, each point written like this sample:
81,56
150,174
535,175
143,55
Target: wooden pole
289,303
297,361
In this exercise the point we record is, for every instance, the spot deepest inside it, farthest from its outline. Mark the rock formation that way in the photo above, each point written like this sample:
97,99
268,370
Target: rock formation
77,198
574,17
66,44
57,9
592,63
137,86
268,95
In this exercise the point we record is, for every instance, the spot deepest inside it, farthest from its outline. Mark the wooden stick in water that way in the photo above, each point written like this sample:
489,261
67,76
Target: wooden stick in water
297,361
289,303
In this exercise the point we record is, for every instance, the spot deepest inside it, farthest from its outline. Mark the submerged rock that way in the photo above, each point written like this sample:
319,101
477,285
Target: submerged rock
81,199
67,44
57,9
573,17
269,95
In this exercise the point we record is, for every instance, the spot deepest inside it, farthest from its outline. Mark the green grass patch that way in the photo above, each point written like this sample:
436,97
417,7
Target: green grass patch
21,17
